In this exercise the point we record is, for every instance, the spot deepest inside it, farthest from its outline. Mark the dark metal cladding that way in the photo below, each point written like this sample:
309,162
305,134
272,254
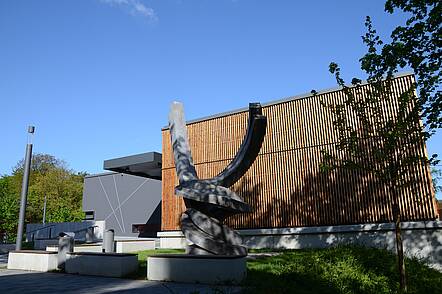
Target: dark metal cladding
210,201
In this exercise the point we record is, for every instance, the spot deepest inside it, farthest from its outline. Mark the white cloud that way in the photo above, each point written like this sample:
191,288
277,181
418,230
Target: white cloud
135,7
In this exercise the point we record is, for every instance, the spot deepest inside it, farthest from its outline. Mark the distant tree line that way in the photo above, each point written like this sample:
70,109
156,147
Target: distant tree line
50,177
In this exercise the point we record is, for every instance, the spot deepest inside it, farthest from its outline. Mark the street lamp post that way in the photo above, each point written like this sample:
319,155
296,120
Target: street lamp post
44,211
24,188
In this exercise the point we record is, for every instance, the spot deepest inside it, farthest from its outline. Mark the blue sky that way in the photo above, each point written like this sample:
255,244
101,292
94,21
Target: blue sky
96,77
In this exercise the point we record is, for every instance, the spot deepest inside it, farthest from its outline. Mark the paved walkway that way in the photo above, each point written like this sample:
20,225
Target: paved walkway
15,281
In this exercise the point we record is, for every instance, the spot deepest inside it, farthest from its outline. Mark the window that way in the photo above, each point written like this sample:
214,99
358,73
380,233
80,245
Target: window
89,215
137,228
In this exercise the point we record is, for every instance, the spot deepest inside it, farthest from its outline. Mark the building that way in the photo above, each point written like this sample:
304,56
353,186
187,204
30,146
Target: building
284,185
288,194
128,198
294,205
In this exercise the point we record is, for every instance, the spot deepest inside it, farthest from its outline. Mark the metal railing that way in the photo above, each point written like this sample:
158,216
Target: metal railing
36,231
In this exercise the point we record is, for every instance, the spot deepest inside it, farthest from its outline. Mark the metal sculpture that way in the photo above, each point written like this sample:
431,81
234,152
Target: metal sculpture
209,201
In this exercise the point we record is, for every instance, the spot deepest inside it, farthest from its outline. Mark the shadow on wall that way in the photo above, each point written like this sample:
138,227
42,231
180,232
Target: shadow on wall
326,201
153,224
299,198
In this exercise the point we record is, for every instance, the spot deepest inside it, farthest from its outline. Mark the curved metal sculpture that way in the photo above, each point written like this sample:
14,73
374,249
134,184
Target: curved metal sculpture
209,201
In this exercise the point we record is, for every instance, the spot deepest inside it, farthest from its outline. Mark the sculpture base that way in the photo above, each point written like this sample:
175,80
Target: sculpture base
204,269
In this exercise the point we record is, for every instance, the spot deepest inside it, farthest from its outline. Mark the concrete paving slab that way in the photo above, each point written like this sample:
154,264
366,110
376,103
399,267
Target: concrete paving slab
17,281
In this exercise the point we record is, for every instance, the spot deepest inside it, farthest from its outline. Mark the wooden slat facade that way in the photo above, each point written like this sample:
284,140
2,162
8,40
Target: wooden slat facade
284,185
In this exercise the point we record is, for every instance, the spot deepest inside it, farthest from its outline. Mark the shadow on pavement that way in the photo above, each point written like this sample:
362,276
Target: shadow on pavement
14,281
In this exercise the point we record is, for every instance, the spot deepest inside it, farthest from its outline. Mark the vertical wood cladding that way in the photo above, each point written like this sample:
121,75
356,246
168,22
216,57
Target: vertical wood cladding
284,185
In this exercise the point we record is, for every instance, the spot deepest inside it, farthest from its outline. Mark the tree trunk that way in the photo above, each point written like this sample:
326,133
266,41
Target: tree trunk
400,249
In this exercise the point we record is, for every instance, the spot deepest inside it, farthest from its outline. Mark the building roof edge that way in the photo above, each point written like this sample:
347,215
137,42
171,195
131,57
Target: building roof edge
280,101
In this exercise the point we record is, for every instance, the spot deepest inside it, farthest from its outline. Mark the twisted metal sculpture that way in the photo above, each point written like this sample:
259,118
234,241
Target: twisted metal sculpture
209,201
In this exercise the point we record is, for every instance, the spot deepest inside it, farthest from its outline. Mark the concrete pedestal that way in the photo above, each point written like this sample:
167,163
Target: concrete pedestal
32,260
101,264
204,269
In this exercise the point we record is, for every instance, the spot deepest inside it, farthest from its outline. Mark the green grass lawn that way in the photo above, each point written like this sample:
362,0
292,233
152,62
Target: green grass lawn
346,269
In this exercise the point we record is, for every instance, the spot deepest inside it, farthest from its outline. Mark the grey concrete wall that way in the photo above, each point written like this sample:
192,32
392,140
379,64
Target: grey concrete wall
421,239
123,200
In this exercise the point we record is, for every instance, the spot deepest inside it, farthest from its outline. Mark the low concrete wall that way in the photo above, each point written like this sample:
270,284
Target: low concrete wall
79,248
122,246
421,239
127,246
101,264
32,260
172,240
205,269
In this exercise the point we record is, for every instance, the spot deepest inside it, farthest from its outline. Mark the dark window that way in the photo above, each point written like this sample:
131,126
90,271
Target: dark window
137,228
89,215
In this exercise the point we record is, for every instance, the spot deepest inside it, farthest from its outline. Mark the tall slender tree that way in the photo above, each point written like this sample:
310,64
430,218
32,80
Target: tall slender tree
382,143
